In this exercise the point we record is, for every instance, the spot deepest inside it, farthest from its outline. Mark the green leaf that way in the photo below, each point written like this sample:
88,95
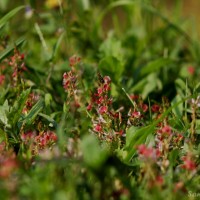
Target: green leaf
136,137
173,157
4,109
19,104
9,15
56,46
10,48
94,155
155,65
112,67
35,110
49,119
178,110
47,99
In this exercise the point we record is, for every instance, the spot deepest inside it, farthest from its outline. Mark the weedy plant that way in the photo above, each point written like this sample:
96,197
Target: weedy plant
93,108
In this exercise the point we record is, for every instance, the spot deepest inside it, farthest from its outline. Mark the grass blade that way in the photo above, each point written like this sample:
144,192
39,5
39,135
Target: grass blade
7,17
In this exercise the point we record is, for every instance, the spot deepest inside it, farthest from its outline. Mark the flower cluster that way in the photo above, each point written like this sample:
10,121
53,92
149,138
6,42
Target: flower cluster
148,152
32,99
18,65
70,81
106,121
38,141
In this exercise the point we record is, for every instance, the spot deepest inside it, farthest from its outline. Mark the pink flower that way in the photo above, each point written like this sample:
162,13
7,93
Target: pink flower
144,107
155,108
107,79
188,163
148,152
89,107
134,96
99,90
103,110
97,128
166,130
191,70
136,114
74,60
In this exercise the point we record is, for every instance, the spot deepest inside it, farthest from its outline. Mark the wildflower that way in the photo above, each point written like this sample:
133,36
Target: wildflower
166,130
74,60
147,152
28,12
89,107
188,163
144,107
191,70
134,97
121,133
103,110
155,108
97,128
107,79
195,102
136,114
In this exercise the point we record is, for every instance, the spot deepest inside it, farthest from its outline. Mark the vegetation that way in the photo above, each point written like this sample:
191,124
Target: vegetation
98,100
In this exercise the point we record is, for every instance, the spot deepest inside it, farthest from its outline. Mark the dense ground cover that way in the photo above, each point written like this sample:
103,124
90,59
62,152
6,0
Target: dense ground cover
98,100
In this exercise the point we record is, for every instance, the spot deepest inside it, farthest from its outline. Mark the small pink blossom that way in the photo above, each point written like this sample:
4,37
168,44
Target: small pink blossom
155,108
107,79
97,128
191,70
188,163
136,114
166,130
103,110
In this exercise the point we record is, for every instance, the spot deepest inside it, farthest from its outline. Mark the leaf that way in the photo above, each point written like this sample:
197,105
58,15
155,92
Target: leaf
178,110
112,67
155,66
47,99
173,157
35,110
4,109
136,137
19,104
56,46
9,15
94,155
10,48
49,119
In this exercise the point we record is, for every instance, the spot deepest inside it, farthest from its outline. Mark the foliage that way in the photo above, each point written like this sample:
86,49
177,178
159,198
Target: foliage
98,100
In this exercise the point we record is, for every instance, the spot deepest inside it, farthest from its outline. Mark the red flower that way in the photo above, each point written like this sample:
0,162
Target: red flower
74,60
98,128
144,107
136,114
103,110
191,70
166,130
89,107
155,108
188,163
134,97
148,152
